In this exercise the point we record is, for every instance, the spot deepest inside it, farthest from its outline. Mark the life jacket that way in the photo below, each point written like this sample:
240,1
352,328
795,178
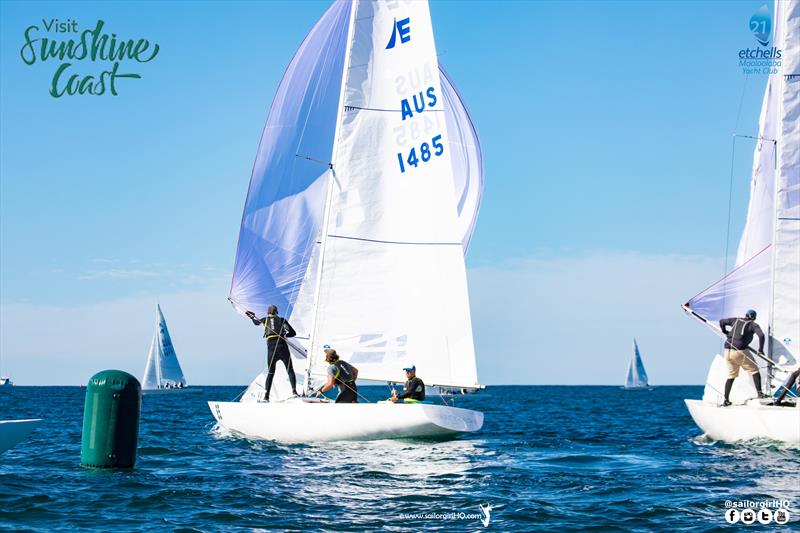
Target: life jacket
344,372
273,327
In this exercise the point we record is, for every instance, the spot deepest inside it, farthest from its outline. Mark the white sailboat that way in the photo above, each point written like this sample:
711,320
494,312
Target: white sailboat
636,378
162,371
766,276
361,205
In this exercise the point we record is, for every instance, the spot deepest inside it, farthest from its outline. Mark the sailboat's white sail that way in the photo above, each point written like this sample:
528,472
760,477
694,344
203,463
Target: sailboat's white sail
393,278
637,376
786,249
766,276
162,366
405,227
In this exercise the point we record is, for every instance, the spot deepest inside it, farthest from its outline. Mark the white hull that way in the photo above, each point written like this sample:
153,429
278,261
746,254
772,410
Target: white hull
12,432
186,390
747,421
304,421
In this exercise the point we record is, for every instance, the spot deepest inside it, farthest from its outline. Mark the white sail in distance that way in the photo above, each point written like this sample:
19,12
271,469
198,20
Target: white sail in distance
162,366
636,376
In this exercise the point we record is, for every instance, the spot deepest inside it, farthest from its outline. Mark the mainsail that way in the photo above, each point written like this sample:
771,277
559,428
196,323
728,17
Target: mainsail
766,276
364,196
162,366
636,377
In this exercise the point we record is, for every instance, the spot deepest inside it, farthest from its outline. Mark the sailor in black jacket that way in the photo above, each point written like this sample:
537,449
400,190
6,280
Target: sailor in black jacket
276,330
739,333
414,390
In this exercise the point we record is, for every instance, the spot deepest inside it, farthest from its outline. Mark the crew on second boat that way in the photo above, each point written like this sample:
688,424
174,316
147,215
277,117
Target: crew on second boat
341,374
740,332
414,389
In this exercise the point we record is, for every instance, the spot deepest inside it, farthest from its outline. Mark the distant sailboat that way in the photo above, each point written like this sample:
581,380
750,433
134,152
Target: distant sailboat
766,276
637,376
162,372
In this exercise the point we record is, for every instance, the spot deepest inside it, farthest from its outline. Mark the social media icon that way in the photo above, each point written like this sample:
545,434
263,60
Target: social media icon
748,516
781,516
731,516
765,516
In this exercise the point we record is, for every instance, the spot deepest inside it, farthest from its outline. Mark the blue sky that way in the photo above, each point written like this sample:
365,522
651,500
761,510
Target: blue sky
606,129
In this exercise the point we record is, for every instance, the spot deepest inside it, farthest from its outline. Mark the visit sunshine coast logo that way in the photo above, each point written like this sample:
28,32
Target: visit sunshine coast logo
763,59
87,62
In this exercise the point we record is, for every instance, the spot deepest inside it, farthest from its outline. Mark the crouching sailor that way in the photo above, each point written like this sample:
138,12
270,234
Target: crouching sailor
414,389
739,332
343,375
276,329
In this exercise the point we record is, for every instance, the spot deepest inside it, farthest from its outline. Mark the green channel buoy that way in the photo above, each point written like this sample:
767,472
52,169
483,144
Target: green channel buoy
111,420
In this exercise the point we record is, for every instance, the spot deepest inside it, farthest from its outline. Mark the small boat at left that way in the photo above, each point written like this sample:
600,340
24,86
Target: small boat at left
5,381
12,432
162,372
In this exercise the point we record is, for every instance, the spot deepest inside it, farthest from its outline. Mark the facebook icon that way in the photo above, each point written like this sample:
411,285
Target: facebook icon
402,29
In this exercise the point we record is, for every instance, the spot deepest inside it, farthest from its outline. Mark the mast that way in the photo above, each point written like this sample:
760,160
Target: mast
776,183
329,196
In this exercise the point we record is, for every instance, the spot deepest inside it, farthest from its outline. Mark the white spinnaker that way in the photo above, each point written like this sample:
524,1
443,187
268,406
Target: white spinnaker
394,288
786,249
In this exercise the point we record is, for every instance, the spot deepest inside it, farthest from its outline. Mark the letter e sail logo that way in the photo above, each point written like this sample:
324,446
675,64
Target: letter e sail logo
402,29
761,25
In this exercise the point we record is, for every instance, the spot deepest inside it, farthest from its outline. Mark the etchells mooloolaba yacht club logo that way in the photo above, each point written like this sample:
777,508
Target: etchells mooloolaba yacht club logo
91,61
763,59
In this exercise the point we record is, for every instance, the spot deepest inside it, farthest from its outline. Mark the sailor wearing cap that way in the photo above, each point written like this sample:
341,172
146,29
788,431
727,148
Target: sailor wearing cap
414,389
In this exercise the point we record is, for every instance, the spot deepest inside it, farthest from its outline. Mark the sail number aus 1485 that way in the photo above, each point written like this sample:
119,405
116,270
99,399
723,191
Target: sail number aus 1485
425,153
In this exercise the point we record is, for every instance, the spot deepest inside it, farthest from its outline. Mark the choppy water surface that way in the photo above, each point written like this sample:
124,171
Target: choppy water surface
548,459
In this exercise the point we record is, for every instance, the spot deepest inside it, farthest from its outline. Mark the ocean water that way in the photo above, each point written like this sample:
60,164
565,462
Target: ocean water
547,459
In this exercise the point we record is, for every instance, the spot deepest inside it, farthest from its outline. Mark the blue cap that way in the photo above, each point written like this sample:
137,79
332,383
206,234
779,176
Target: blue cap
412,368
751,314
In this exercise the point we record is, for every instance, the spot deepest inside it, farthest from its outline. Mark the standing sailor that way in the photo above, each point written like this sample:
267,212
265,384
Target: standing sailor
276,329
414,390
739,336
342,374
